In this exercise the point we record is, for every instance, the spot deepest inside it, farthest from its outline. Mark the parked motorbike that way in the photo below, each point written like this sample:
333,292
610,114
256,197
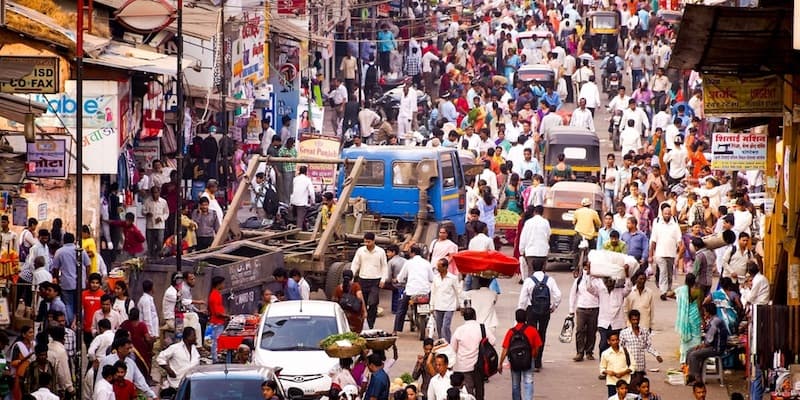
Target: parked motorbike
419,310
387,105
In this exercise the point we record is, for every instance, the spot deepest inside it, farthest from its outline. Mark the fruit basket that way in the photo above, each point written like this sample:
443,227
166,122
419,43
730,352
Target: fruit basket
377,339
345,345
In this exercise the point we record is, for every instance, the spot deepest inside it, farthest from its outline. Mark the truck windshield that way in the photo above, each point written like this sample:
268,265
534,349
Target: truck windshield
372,174
293,333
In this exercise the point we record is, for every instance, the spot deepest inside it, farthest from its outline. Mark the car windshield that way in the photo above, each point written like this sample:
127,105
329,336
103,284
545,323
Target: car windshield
290,333
230,389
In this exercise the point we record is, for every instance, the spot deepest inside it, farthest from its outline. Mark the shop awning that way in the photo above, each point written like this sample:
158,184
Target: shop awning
294,28
199,21
124,56
202,98
735,40
14,107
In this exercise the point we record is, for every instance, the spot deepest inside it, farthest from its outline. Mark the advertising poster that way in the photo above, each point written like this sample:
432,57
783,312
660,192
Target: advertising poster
726,95
309,124
739,151
285,80
49,158
322,175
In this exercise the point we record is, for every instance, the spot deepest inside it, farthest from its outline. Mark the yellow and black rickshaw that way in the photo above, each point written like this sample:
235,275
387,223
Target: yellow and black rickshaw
581,150
604,27
560,203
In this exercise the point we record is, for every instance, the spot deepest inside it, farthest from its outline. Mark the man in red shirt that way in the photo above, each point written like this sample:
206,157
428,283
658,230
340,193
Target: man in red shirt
133,245
216,313
123,388
521,380
91,301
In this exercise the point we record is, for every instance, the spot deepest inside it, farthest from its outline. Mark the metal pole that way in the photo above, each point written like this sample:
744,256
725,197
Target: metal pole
79,189
310,67
179,132
2,12
224,82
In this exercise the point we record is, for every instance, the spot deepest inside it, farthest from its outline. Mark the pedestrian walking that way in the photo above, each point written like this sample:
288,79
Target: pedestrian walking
302,197
177,360
466,343
445,298
615,364
585,307
156,212
539,297
417,276
641,299
370,266
665,245
611,295
520,345
207,223
638,342
534,240
65,262
217,317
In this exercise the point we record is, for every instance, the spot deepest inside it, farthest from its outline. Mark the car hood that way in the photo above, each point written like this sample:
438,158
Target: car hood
296,362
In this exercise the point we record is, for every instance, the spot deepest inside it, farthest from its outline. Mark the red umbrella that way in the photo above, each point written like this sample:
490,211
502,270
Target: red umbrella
477,262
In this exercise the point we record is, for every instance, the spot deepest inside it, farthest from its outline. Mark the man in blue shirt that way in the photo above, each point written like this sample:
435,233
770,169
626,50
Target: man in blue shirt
637,242
293,290
449,113
386,44
66,261
378,388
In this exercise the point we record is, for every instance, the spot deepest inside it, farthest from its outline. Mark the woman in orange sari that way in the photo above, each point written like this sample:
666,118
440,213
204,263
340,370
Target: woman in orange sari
697,158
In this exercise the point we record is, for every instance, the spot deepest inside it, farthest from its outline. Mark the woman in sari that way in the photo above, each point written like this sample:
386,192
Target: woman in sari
688,320
142,341
511,195
728,303
355,318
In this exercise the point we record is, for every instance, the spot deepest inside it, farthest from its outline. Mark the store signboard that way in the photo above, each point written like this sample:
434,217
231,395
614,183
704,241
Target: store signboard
41,76
101,122
320,146
49,158
739,151
727,95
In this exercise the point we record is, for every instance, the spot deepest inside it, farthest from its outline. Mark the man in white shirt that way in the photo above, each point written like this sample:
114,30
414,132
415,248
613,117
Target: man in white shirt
665,246
437,388
445,298
466,342
591,94
676,160
582,117
339,97
179,358
427,69
417,275
756,289
742,218
100,344
473,140
662,119
735,259
405,115
619,102
630,138
584,306
103,390
534,240
302,196
480,242
147,308
372,269
538,320
641,122
156,212
527,164
123,347
489,177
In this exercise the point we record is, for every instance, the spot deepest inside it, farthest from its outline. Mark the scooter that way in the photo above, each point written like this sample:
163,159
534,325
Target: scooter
419,310
387,105
612,85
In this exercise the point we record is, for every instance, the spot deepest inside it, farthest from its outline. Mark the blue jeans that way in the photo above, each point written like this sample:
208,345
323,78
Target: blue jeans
609,199
69,297
523,379
443,321
216,331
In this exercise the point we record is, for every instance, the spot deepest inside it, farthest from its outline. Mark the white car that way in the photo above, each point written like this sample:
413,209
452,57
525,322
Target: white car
289,337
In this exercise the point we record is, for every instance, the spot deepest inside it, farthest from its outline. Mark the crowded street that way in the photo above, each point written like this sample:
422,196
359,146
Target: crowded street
444,200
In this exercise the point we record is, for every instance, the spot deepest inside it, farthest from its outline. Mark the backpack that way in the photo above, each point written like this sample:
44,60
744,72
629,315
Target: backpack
271,201
350,302
371,77
611,65
488,360
540,297
520,354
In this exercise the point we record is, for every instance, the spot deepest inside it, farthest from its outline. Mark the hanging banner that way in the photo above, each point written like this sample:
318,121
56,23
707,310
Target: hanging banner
153,111
739,151
725,95
285,80
291,7
309,124
320,146
49,159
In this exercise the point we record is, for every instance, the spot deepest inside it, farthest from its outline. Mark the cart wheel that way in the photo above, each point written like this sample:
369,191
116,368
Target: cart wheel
334,277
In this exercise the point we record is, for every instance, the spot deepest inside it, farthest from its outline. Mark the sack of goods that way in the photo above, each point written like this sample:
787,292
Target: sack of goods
605,263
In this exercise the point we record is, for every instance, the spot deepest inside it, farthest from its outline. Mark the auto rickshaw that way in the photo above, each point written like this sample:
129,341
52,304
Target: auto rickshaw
604,27
530,41
560,203
581,149
542,73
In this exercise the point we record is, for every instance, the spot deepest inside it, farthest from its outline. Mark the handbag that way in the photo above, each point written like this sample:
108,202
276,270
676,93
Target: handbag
350,302
567,330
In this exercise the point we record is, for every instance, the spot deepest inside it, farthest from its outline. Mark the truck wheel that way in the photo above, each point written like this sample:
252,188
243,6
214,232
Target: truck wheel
334,277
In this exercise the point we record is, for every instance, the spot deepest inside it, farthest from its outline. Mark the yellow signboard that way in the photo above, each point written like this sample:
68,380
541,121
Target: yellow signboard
41,78
730,95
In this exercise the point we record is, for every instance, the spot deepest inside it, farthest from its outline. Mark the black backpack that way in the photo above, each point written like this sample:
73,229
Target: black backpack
520,354
371,77
271,201
611,65
488,360
540,297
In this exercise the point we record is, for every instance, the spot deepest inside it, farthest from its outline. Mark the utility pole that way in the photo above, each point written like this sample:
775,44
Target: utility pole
2,12
179,131
224,81
79,182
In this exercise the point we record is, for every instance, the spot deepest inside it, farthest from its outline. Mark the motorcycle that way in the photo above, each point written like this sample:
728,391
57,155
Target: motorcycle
612,85
419,311
387,105
616,120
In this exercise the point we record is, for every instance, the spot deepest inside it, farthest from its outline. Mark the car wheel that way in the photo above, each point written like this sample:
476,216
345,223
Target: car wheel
334,277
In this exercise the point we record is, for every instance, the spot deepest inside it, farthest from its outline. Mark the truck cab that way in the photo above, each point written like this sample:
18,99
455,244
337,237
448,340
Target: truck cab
411,184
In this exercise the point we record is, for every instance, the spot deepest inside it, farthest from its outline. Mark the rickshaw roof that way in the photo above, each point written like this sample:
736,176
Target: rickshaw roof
582,187
538,33
603,14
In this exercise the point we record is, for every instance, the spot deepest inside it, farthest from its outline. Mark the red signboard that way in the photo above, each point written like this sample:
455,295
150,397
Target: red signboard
292,7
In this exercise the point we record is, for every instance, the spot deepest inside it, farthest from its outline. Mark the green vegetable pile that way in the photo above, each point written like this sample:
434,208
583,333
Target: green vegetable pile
407,378
351,336
507,217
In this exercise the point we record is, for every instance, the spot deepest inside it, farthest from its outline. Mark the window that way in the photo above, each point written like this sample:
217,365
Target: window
372,174
448,171
604,22
225,388
575,153
293,333
404,173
